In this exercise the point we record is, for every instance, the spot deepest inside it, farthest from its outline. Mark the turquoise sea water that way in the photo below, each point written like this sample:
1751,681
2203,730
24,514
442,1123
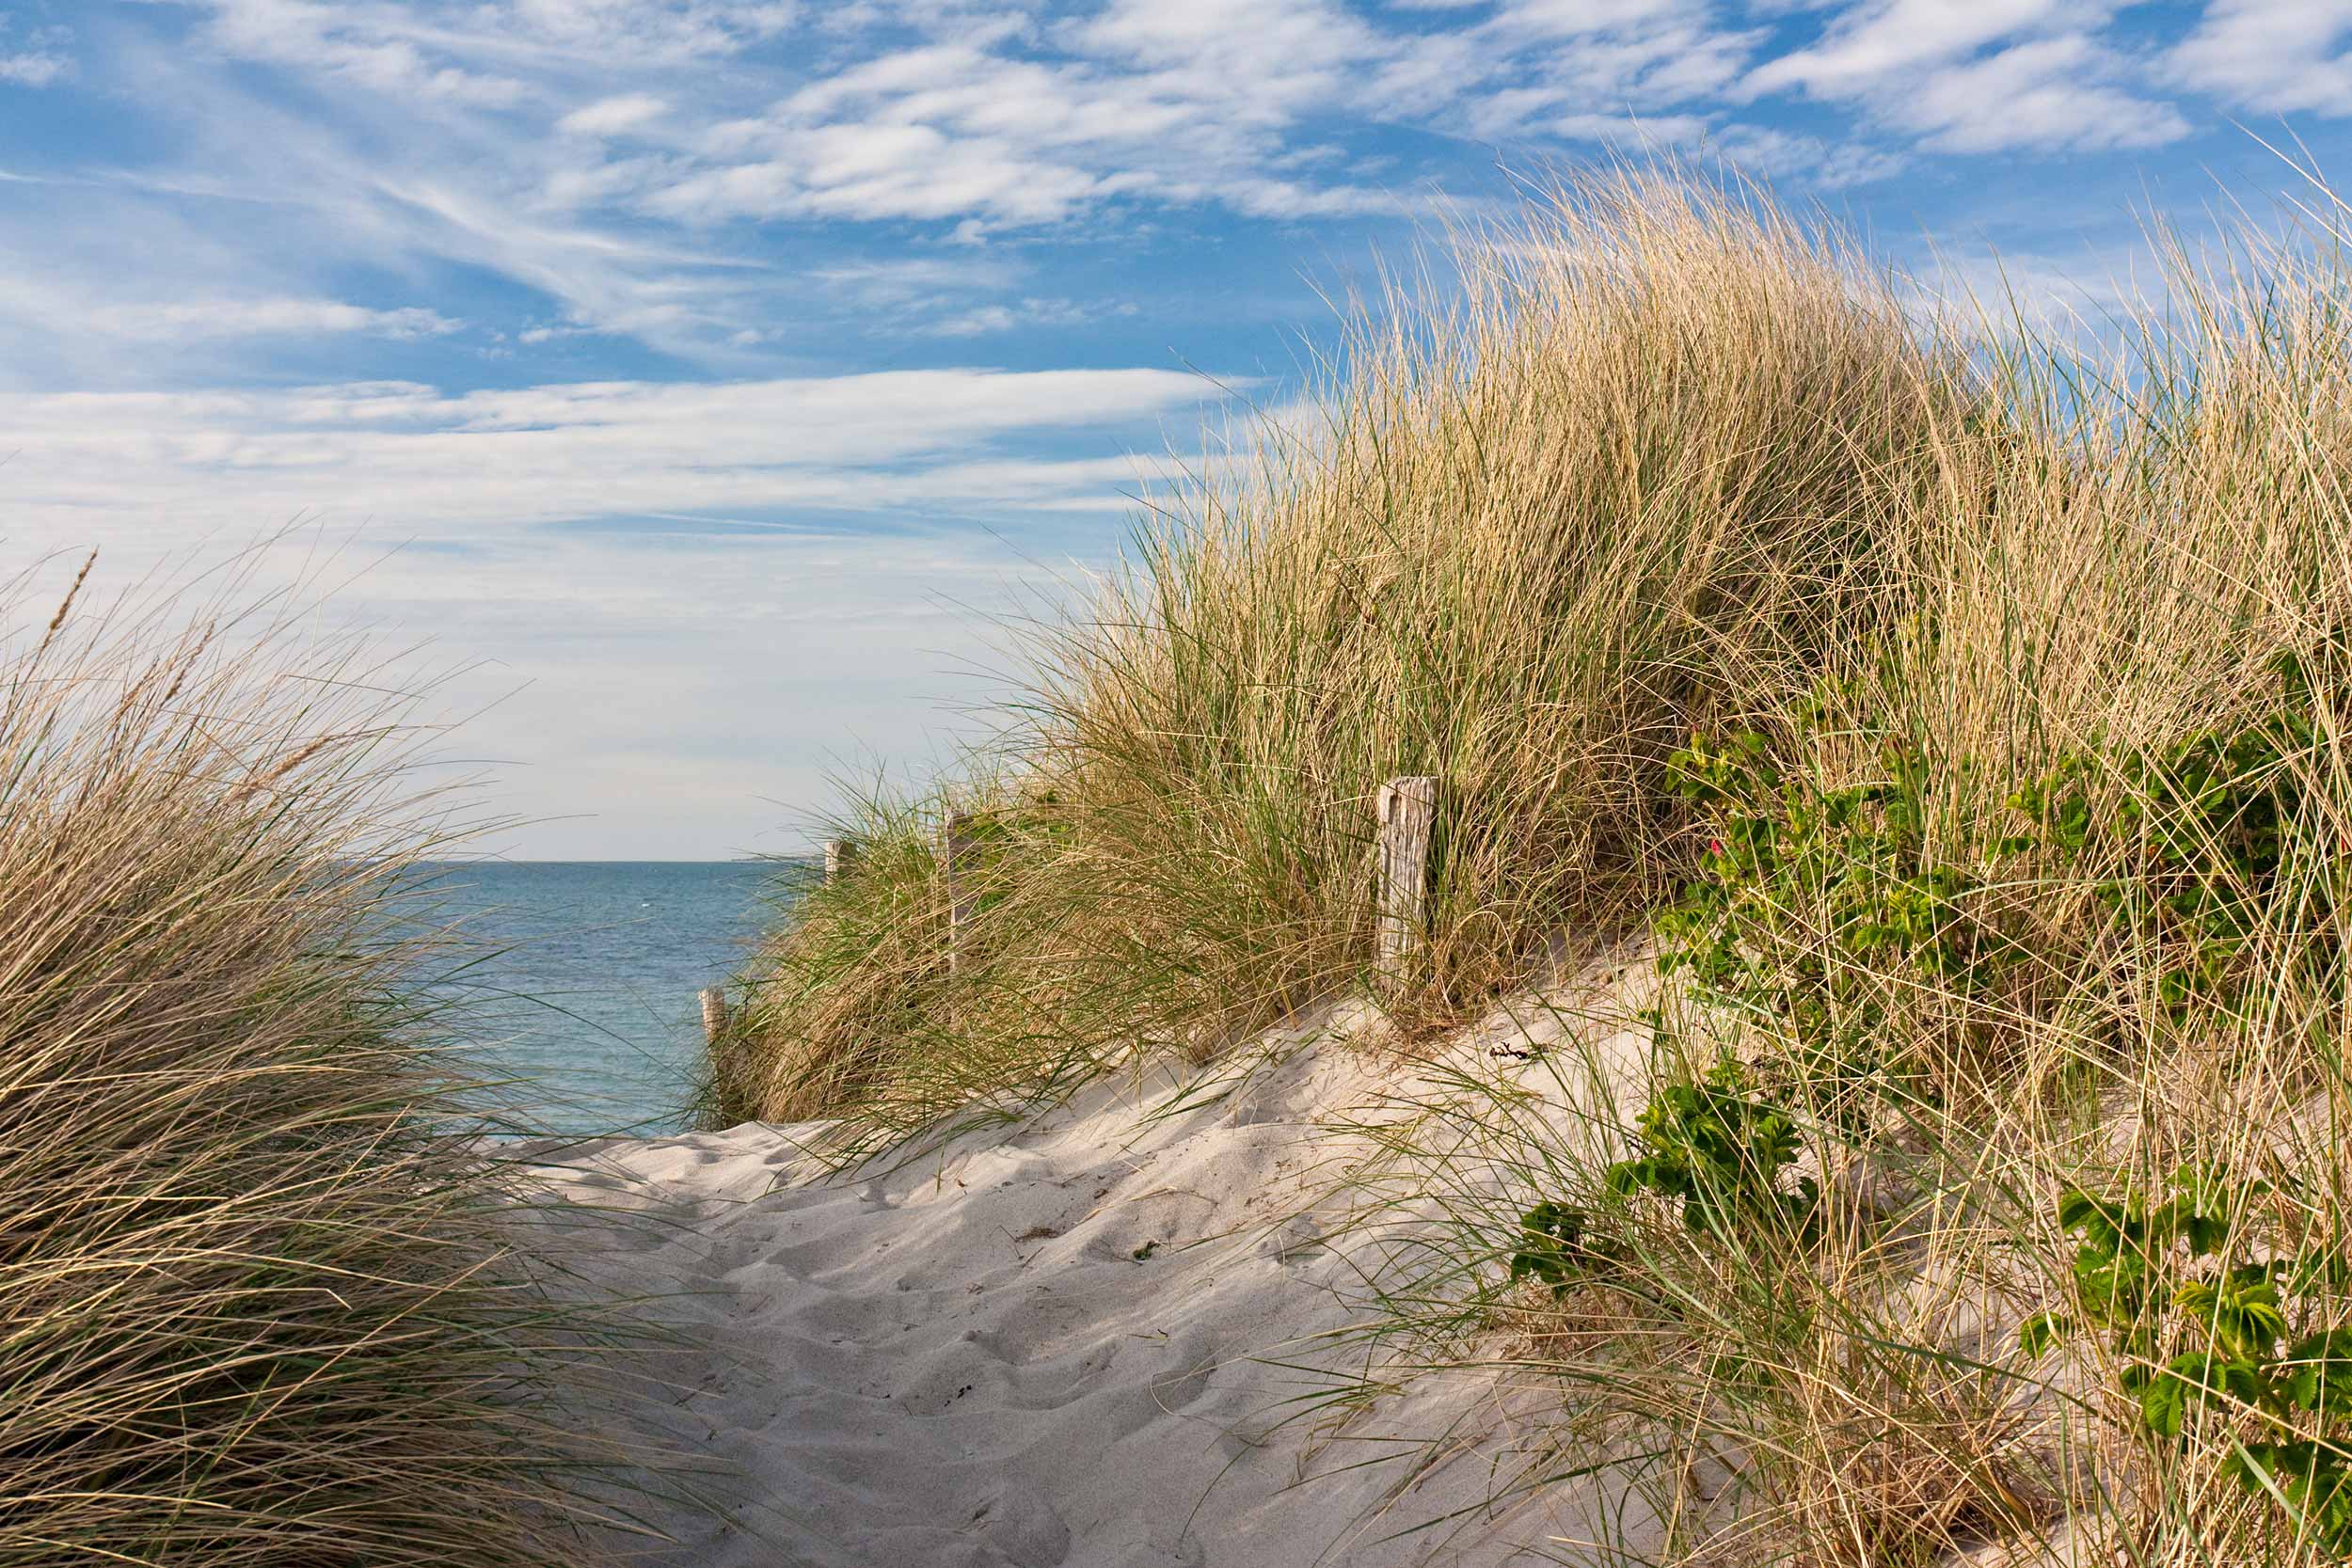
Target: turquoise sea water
581,986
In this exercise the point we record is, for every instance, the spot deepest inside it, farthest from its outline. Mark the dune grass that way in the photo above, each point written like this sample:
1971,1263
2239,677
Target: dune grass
1954,722
2005,998
1636,474
263,1298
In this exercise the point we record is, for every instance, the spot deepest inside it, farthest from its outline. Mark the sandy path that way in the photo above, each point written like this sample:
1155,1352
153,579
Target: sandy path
1047,1348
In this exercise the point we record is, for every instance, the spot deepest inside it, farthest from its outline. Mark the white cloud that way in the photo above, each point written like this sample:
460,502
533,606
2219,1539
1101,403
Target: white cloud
1991,76
689,696
34,69
1264,58
2044,94
1027,312
2280,56
486,50
890,169
1159,110
691,598
614,115
655,553
626,157
1632,130
933,296
183,320
1870,45
973,323
450,466
902,280
366,46
1828,166
1192,105
2079,297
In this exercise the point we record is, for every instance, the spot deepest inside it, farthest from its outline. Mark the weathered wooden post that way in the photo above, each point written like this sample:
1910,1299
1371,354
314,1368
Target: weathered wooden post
957,842
1408,812
840,855
714,1014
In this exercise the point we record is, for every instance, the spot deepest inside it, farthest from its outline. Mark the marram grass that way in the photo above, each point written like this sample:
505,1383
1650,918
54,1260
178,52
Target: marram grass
1638,473
2044,654
262,1299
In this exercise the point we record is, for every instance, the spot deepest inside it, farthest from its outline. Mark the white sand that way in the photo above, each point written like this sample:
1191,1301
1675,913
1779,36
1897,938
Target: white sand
966,1362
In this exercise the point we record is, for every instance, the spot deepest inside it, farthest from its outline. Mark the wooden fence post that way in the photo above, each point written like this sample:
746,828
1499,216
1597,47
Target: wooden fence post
956,843
840,855
1408,810
714,1014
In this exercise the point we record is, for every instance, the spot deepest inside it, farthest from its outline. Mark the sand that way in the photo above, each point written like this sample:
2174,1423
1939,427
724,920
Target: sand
1100,1340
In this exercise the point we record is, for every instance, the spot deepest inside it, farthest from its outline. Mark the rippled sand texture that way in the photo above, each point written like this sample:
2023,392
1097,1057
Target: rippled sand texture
1070,1346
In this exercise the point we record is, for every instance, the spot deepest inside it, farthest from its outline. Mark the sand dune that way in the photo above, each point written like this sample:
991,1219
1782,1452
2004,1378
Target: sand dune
1093,1342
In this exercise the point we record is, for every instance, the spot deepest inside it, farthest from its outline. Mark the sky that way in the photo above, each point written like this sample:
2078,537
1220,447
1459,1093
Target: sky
711,385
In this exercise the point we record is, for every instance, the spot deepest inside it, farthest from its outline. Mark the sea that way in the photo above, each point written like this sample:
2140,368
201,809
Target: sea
575,985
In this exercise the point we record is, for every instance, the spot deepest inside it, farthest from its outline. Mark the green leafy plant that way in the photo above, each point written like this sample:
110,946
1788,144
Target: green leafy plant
1808,898
1553,1251
1719,1144
2206,838
1715,1147
2140,1275
1719,1149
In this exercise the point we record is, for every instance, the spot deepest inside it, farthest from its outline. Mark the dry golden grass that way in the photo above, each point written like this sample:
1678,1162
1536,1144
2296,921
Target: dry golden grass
1629,482
1675,462
263,1300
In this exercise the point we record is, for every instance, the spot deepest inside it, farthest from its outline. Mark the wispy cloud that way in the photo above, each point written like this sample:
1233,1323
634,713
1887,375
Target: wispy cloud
185,320
450,466
368,47
614,115
695,594
653,324
2280,56
35,56
631,159
1980,78
34,69
1022,315
488,51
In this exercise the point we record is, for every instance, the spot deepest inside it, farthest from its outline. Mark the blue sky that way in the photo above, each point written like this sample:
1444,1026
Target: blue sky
702,374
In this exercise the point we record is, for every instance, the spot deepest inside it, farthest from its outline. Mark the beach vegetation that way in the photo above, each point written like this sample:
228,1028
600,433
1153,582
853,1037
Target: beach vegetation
265,1296
1934,723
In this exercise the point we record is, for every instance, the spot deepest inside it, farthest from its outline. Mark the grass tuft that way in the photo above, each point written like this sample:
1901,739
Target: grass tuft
265,1298
1642,471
